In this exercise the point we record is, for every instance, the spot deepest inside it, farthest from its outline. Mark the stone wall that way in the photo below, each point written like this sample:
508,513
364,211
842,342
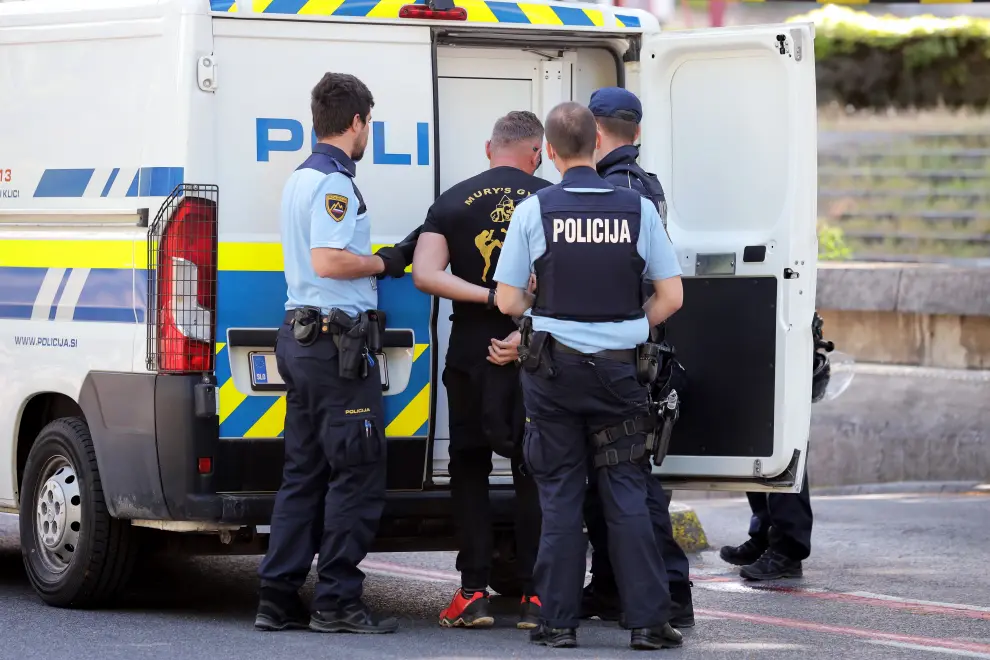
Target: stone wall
919,405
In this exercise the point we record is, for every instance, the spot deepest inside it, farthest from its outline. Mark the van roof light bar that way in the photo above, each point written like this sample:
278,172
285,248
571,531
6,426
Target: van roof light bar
440,10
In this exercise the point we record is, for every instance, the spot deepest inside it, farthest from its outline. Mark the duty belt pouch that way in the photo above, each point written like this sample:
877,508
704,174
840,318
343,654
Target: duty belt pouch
305,325
376,329
647,363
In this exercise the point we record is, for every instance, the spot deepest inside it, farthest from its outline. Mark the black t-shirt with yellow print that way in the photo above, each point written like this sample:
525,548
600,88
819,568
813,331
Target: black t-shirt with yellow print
474,216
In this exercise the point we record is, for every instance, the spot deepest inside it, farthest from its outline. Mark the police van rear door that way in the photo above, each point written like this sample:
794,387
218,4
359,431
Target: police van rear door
730,129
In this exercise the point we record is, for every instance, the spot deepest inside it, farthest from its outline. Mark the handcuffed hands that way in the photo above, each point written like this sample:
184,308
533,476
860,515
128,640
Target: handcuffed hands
504,351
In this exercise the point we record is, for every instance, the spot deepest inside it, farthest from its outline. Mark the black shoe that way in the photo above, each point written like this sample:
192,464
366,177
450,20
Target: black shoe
742,555
529,613
278,611
652,639
772,565
681,605
555,638
354,618
601,603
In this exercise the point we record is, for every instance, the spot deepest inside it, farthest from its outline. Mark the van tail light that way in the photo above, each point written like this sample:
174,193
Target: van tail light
182,282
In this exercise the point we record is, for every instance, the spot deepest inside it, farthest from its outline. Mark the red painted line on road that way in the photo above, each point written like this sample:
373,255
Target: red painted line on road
799,624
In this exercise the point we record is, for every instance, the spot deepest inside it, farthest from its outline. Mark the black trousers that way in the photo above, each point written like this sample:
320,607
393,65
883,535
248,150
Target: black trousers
333,479
485,405
587,395
783,521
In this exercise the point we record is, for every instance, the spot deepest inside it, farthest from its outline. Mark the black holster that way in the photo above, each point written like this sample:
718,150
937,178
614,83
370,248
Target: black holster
665,413
355,339
534,350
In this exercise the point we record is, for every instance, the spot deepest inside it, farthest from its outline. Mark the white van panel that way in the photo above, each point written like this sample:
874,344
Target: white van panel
730,129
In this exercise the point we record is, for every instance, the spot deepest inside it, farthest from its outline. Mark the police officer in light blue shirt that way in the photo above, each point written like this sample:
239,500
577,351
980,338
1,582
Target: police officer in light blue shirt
590,245
333,479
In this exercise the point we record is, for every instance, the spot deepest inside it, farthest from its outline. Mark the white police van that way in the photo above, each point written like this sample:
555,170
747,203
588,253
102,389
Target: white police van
143,149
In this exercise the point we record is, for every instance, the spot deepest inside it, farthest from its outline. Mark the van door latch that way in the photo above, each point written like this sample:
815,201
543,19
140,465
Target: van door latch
791,274
206,73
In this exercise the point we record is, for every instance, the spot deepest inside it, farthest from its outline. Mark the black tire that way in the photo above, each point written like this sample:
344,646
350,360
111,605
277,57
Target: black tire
92,571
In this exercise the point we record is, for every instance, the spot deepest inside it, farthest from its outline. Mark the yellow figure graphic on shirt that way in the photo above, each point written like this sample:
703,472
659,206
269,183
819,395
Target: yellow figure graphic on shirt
486,243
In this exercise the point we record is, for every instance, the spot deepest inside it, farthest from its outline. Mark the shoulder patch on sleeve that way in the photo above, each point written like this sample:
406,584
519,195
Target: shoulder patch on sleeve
336,207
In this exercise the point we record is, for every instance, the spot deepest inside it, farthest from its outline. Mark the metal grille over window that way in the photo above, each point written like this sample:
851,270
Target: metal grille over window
182,282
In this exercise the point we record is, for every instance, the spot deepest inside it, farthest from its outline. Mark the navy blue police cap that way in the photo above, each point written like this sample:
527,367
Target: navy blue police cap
616,102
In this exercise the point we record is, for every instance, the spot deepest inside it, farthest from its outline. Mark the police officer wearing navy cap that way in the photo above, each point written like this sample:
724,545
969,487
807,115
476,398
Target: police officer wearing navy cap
618,113
333,478
591,244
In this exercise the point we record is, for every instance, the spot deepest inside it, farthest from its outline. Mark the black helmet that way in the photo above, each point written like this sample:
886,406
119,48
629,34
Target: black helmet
821,369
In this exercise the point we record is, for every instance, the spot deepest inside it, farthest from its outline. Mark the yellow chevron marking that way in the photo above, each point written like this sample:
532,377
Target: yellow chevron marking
220,346
387,9
596,17
271,423
233,8
413,416
321,7
261,5
540,14
418,350
230,398
478,11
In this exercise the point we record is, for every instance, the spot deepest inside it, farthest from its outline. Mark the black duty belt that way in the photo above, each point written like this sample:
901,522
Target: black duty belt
627,355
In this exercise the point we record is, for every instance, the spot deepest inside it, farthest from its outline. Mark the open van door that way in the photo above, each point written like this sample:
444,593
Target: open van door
730,128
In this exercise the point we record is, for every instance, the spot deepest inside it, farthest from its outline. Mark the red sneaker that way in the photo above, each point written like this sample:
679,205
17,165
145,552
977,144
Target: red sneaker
529,612
467,612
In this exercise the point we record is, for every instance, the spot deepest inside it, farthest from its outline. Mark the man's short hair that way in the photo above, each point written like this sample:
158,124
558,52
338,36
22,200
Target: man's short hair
514,127
621,129
335,101
572,130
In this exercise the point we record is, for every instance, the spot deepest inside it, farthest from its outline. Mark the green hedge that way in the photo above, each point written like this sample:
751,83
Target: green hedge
880,62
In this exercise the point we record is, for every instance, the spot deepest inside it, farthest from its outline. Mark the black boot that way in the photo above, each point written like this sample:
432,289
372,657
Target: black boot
555,638
652,639
355,618
281,610
681,605
772,565
743,555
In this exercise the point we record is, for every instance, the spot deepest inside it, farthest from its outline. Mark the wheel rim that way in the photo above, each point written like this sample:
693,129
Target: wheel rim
58,514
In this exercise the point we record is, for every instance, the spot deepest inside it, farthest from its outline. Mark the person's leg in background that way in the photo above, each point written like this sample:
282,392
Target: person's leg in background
759,530
470,465
674,559
789,536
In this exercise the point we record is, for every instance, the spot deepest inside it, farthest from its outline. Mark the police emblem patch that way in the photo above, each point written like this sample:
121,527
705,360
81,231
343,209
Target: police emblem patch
336,207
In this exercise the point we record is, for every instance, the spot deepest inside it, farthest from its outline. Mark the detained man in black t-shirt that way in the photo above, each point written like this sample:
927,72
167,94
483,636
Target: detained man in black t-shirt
465,228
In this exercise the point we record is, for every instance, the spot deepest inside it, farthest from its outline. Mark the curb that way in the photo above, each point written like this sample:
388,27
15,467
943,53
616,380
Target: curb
902,488
688,531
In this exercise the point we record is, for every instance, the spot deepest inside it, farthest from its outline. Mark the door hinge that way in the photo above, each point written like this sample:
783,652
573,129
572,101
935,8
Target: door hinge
207,73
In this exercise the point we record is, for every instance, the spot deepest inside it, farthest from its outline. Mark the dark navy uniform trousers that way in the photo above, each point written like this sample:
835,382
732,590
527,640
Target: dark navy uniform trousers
333,480
588,394
783,521
674,559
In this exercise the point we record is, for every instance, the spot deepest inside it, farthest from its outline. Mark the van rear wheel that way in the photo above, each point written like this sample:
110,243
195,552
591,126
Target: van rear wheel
75,553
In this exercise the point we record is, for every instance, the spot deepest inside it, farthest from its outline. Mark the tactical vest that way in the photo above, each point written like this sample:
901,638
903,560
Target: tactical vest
591,271
649,181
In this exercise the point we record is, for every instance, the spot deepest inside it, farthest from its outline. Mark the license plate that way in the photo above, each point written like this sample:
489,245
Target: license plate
265,376
264,372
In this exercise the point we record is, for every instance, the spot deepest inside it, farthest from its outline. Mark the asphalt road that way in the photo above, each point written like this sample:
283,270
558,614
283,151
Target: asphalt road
875,557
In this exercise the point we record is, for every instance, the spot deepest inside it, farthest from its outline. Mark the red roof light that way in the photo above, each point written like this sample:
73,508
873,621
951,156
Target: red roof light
424,11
